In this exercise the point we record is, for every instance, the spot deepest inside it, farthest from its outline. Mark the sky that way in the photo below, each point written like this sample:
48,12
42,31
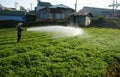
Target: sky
71,3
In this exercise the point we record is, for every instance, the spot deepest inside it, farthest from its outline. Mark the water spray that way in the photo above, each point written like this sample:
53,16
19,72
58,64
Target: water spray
59,31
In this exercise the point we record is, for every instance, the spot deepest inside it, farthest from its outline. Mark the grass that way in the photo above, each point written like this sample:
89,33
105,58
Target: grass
95,54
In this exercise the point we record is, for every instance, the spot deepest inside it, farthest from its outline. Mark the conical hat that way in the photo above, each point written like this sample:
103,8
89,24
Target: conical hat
20,23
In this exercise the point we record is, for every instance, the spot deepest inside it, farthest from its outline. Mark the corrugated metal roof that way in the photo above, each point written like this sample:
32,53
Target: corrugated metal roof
14,13
44,4
59,6
41,7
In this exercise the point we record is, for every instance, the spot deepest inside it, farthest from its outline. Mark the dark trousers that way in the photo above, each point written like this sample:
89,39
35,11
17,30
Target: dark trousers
19,37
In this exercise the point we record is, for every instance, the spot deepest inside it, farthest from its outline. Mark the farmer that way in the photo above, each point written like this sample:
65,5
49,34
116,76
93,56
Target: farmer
19,31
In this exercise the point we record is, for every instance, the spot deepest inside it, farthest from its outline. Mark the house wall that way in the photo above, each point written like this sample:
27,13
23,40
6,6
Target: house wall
77,20
1,7
80,20
87,21
53,14
43,14
18,18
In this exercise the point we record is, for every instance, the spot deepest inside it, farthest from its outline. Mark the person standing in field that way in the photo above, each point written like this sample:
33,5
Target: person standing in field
19,31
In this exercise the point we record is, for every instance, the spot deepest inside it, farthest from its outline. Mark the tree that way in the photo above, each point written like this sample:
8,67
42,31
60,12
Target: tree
6,8
22,8
16,4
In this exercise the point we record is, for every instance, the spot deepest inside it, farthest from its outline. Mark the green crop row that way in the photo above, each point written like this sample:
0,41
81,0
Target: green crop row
94,54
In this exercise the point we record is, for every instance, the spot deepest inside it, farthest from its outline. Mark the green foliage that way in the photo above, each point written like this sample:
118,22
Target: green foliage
8,24
106,23
96,54
30,21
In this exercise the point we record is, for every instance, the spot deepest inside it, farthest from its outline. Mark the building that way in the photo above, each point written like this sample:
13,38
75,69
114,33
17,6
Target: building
117,14
46,11
80,18
42,5
1,7
13,15
31,16
7,8
98,12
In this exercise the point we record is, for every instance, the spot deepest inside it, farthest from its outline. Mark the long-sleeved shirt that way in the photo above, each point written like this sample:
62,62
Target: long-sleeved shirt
19,30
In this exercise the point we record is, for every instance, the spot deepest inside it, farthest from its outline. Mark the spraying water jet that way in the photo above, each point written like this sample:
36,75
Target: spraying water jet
59,31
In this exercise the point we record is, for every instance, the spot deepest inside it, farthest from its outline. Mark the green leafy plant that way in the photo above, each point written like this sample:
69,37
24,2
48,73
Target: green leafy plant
95,54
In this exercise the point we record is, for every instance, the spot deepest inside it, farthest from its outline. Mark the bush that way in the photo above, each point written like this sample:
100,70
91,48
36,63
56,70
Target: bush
105,23
8,23
12,23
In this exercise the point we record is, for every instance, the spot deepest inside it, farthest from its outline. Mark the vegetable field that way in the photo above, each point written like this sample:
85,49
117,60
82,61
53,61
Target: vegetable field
94,54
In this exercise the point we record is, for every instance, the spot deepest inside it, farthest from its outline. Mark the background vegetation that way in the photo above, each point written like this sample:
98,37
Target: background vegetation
106,22
94,54
29,23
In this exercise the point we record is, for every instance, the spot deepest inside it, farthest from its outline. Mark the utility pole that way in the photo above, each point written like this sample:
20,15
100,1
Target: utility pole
115,5
31,6
38,0
76,6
